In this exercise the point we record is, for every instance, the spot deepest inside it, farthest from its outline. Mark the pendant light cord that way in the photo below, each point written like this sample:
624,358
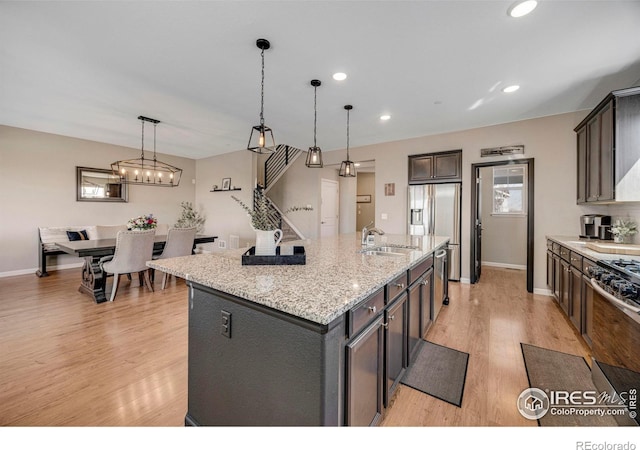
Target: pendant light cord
142,149
262,91
315,114
347,135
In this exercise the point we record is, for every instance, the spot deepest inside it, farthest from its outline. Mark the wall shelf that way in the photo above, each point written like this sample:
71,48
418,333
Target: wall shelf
225,190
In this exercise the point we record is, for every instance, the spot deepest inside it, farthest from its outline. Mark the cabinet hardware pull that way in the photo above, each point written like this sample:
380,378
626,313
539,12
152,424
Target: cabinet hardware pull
425,282
386,325
399,285
392,317
372,309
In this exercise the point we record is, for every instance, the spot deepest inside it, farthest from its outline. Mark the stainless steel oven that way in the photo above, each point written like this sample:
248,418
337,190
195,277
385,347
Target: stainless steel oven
616,332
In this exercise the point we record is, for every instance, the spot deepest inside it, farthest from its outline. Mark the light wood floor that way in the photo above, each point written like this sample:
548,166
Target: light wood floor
67,361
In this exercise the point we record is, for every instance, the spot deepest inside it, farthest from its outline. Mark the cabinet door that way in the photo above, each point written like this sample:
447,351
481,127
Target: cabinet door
365,376
606,154
395,344
420,168
582,165
426,302
413,313
447,166
565,285
575,301
587,310
557,277
593,159
550,274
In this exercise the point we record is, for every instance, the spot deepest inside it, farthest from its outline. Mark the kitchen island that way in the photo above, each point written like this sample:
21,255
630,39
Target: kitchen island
304,344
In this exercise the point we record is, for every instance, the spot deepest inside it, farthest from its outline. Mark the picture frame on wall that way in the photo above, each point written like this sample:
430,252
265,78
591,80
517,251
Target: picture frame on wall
226,184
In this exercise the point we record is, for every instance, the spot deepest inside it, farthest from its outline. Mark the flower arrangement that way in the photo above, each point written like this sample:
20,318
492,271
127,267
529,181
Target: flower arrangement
190,218
263,217
147,222
623,228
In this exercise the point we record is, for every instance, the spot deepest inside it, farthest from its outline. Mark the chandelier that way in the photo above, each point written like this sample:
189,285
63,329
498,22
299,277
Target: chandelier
261,138
347,168
148,172
314,155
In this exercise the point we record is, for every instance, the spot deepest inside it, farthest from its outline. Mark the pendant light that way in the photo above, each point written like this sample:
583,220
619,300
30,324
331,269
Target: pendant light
261,138
314,155
347,168
145,171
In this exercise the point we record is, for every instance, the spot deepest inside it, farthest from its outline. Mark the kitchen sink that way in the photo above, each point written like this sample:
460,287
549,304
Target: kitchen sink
388,250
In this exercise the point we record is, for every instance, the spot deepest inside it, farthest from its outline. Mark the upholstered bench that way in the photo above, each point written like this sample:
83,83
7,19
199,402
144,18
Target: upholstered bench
48,236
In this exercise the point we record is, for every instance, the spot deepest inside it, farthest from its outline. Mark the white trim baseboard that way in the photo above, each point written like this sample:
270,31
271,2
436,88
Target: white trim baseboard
540,291
504,265
14,273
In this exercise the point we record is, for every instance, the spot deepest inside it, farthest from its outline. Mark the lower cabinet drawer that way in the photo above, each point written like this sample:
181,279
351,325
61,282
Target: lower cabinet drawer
396,287
418,270
365,311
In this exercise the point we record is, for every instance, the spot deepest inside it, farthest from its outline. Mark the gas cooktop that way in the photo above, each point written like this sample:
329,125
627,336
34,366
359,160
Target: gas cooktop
630,268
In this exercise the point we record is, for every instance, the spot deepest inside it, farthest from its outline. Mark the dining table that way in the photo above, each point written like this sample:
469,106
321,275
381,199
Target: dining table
93,282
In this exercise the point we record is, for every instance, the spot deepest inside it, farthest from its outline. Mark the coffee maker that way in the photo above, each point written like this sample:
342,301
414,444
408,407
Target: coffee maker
595,226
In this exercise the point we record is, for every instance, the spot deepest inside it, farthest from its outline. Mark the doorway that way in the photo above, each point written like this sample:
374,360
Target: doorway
477,209
365,199
329,209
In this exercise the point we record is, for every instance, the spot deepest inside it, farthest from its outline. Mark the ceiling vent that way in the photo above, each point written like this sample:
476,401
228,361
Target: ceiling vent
499,151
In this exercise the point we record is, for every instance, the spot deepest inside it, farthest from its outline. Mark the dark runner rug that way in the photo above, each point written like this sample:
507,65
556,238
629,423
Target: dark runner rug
550,370
438,371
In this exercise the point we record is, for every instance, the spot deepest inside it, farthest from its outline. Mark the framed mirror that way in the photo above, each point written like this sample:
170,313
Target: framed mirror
99,185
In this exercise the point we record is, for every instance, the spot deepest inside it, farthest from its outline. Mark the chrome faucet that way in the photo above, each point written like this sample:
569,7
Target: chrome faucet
366,232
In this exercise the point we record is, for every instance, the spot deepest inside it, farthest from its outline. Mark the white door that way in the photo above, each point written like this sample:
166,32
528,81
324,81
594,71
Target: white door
329,208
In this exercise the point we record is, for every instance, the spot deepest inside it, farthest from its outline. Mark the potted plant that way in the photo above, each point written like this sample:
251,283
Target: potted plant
265,220
190,218
622,229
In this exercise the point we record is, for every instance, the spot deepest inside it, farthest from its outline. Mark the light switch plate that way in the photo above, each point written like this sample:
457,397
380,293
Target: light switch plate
384,216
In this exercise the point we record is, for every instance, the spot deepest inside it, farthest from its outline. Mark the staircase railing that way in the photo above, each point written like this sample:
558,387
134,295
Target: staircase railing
277,163
272,213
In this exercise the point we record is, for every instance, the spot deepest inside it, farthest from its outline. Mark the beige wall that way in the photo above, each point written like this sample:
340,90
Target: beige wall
38,188
504,237
37,185
550,141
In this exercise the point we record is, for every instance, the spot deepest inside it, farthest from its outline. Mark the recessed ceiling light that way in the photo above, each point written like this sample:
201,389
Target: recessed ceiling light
339,76
385,117
510,89
521,8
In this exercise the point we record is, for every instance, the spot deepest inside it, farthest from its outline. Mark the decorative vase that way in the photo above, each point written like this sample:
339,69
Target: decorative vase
619,239
267,241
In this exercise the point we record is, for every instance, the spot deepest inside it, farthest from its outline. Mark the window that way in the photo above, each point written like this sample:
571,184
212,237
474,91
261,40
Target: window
509,189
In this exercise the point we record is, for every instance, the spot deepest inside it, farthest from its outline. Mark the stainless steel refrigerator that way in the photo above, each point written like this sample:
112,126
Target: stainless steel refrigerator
435,209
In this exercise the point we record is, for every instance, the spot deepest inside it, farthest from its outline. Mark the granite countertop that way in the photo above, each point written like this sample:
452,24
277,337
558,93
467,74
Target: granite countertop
335,278
579,245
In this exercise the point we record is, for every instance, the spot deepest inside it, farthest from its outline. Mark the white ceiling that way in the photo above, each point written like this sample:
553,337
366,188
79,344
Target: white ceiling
89,69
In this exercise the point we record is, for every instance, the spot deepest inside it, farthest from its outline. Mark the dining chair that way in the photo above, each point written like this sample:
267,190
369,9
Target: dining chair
133,250
179,243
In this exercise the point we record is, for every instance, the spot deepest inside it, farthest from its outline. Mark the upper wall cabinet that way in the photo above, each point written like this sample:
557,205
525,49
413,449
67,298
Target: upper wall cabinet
435,167
608,144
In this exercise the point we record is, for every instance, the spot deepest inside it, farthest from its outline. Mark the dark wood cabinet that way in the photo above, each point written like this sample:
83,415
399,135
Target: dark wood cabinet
575,298
435,167
413,327
395,345
608,150
587,310
565,284
582,165
365,376
426,302
599,140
